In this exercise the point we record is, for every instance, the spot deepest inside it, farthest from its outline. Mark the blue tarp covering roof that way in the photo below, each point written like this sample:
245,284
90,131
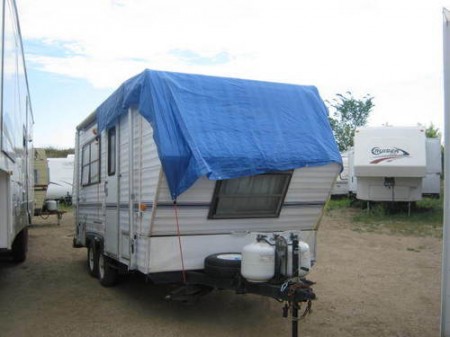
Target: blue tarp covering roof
225,128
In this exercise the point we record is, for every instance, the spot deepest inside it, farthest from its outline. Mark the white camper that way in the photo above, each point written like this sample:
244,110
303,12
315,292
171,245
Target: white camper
341,186
40,179
389,163
16,159
181,176
352,180
431,183
61,179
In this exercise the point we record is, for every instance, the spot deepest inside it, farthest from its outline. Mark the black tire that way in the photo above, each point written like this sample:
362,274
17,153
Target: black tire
92,259
20,246
107,274
223,265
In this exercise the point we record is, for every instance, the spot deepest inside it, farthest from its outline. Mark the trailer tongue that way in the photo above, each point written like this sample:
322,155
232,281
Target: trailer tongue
271,267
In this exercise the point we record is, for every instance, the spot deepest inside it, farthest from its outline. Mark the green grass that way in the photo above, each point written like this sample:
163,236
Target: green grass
425,219
339,203
63,207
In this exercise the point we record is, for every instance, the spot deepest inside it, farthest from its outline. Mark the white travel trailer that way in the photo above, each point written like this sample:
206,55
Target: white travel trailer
177,175
61,178
16,159
341,186
389,163
40,179
352,180
431,183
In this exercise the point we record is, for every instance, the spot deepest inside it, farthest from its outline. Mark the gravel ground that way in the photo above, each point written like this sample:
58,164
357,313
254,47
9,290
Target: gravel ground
367,285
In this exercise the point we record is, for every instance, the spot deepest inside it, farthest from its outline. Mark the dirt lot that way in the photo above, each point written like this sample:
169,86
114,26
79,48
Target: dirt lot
368,285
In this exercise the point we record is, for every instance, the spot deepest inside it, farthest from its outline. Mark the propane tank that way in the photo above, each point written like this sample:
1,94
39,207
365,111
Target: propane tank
304,260
258,261
51,205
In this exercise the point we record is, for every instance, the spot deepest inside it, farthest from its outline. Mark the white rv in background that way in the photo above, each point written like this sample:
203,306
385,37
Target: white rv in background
341,186
390,163
352,180
61,178
16,159
129,217
431,184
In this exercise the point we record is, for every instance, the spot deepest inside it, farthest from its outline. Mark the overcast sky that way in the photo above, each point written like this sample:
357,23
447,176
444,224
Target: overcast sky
78,52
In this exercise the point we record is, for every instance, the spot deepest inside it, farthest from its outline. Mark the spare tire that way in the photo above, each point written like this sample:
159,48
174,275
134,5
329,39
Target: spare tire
223,265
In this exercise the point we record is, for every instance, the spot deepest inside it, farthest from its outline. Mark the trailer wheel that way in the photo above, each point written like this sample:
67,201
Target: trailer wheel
92,259
223,265
20,246
107,274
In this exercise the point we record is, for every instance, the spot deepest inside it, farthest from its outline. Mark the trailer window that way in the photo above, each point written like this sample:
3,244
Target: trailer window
90,172
258,196
112,151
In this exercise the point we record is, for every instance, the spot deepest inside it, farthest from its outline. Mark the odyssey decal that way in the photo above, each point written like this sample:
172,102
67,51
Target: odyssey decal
387,154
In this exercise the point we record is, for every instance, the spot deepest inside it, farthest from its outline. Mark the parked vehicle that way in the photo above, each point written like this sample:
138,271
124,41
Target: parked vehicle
341,186
40,179
16,157
61,179
180,177
352,180
431,183
346,182
390,163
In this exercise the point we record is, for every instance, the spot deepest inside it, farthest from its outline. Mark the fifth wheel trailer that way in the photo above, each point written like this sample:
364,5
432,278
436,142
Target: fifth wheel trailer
180,177
16,160
389,163
431,182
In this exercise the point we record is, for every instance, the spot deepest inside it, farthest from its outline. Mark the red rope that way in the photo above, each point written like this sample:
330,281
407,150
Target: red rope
179,241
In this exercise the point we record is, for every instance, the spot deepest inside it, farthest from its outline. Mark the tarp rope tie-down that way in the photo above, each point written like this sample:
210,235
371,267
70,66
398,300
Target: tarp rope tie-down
183,271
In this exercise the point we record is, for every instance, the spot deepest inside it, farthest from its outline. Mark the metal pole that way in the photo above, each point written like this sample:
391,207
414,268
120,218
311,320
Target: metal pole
445,302
295,275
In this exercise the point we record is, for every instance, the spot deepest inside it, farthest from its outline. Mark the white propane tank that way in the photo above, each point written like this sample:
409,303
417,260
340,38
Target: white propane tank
51,205
304,260
258,262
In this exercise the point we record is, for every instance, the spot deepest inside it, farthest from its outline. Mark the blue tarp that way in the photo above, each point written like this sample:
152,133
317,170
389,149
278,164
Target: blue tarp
224,127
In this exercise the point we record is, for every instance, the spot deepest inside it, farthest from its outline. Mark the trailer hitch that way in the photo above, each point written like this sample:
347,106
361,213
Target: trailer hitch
294,294
297,290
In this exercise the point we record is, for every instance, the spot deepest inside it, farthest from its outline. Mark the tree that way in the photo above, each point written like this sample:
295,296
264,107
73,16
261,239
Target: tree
53,152
432,132
349,113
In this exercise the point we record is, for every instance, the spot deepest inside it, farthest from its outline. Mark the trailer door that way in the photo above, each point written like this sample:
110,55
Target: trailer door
111,244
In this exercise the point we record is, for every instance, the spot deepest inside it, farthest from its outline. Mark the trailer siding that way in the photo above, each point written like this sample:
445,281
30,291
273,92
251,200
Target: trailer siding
147,169
150,243
16,129
90,198
196,248
307,194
